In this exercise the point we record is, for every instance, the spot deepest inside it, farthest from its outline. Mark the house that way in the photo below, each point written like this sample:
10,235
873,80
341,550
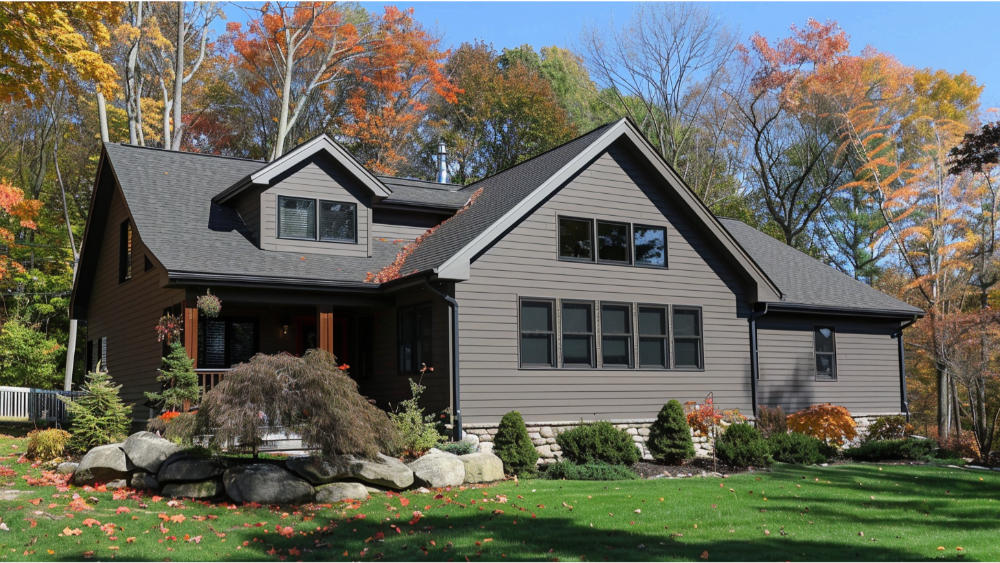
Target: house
586,283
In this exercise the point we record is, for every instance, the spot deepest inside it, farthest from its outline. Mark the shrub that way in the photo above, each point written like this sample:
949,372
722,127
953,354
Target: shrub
98,416
670,436
47,445
182,428
796,448
741,445
457,448
417,432
771,421
156,425
514,447
589,472
310,396
179,380
893,427
891,450
829,423
598,442
27,357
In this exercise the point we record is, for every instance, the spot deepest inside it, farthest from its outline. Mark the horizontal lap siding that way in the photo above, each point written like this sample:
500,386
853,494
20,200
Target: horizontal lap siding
524,264
127,313
316,180
394,232
867,365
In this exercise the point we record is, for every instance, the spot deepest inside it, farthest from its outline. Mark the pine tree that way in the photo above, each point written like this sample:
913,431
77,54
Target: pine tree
513,446
670,436
98,417
180,382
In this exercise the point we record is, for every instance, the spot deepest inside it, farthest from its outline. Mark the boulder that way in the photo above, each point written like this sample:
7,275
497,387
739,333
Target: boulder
202,489
482,467
470,438
185,467
385,471
336,492
117,484
266,484
67,468
142,481
103,464
148,451
486,447
439,469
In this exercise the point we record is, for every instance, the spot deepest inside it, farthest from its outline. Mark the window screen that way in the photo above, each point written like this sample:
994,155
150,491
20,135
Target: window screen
577,334
296,218
613,242
654,350
616,335
650,246
576,239
537,334
687,338
826,353
337,221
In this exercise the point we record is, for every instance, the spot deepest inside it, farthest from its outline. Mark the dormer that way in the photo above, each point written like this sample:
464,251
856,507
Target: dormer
316,199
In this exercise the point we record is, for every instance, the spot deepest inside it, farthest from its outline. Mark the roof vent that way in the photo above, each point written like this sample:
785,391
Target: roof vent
442,164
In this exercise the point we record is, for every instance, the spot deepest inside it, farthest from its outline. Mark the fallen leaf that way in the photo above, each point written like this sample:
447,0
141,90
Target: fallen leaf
704,554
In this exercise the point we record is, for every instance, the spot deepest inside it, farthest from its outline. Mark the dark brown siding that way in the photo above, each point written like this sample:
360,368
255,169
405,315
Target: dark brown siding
127,313
867,364
524,264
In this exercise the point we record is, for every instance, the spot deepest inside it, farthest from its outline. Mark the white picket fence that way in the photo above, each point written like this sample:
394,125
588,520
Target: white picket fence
14,403
43,405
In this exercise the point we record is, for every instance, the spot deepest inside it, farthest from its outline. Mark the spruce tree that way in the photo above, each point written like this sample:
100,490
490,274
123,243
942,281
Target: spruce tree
670,436
513,446
98,417
180,382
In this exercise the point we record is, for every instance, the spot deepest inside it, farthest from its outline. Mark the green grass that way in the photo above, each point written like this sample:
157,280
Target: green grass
792,514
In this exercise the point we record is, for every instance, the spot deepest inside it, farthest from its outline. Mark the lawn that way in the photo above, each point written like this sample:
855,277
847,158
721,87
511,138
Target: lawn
847,512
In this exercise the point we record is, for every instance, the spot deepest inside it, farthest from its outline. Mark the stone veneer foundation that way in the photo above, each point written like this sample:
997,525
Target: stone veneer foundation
543,436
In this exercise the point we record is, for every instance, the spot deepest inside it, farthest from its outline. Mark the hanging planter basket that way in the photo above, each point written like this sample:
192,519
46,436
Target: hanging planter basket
209,305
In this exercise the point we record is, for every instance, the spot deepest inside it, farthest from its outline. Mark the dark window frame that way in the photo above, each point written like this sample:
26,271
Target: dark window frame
319,215
833,355
227,359
278,218
666,247
665,338
629,336
593,239
126,248
553,334
700,338
417,340
593,334
629,245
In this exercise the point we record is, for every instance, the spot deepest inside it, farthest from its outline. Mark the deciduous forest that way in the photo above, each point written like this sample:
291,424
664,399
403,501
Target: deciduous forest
884,171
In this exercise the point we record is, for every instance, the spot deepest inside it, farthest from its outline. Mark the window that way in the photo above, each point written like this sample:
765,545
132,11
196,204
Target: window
616,335
613,242
296,218
538,335
650,246
826,353
223,343
576,239
687,338
415,338
125,252
654,347
338,221
577,334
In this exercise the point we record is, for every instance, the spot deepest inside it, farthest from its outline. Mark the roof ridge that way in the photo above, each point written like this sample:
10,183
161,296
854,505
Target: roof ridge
131,146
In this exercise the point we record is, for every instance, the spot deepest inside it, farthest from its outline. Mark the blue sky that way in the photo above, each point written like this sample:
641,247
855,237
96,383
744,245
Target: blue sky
954,36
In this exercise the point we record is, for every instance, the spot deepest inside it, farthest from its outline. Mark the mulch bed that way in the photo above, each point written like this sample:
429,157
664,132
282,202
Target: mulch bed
698,467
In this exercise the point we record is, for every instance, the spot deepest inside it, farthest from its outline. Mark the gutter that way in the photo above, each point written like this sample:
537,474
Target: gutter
754,360
904,404
453,304
884,313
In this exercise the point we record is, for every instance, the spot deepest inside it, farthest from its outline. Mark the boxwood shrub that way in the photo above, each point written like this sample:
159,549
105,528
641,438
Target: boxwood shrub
741,445
589,472
796,448
598,442
891,450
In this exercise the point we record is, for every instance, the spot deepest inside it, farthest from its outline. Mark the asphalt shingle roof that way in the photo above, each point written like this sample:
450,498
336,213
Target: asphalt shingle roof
424,193
803,280
169,194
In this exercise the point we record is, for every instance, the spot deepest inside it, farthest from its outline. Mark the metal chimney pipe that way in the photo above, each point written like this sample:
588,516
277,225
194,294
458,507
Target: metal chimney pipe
442,164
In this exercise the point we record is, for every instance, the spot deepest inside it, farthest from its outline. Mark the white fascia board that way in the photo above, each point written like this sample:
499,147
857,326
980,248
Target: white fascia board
322,143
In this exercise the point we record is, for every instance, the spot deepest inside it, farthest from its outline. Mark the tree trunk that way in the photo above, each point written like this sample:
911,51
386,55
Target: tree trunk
178,79
943,420
102,116
286,92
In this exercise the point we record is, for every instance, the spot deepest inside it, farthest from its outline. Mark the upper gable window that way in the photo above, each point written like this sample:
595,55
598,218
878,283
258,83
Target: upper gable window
613,242
650,246
298,219
576,239
125,252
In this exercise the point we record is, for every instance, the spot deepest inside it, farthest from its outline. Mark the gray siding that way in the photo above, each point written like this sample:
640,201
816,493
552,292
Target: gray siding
127,313
248,206
393,224
524,264
867,365
317,179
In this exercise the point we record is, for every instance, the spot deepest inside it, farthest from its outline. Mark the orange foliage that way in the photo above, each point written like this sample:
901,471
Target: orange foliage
705,417
827,422
17,212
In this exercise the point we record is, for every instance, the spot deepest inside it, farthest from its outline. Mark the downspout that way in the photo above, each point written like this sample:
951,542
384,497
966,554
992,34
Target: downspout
457,406
904,403
754,364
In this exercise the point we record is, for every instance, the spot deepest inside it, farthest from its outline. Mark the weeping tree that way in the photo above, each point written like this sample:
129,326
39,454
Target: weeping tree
311,397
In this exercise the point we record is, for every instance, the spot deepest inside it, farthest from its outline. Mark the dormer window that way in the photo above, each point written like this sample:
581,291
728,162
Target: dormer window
298,218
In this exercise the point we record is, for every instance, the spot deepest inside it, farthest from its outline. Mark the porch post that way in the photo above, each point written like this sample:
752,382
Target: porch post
324,327
191,330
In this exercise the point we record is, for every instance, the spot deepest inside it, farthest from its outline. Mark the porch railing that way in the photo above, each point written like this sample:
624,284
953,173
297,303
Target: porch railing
209,378
42,405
